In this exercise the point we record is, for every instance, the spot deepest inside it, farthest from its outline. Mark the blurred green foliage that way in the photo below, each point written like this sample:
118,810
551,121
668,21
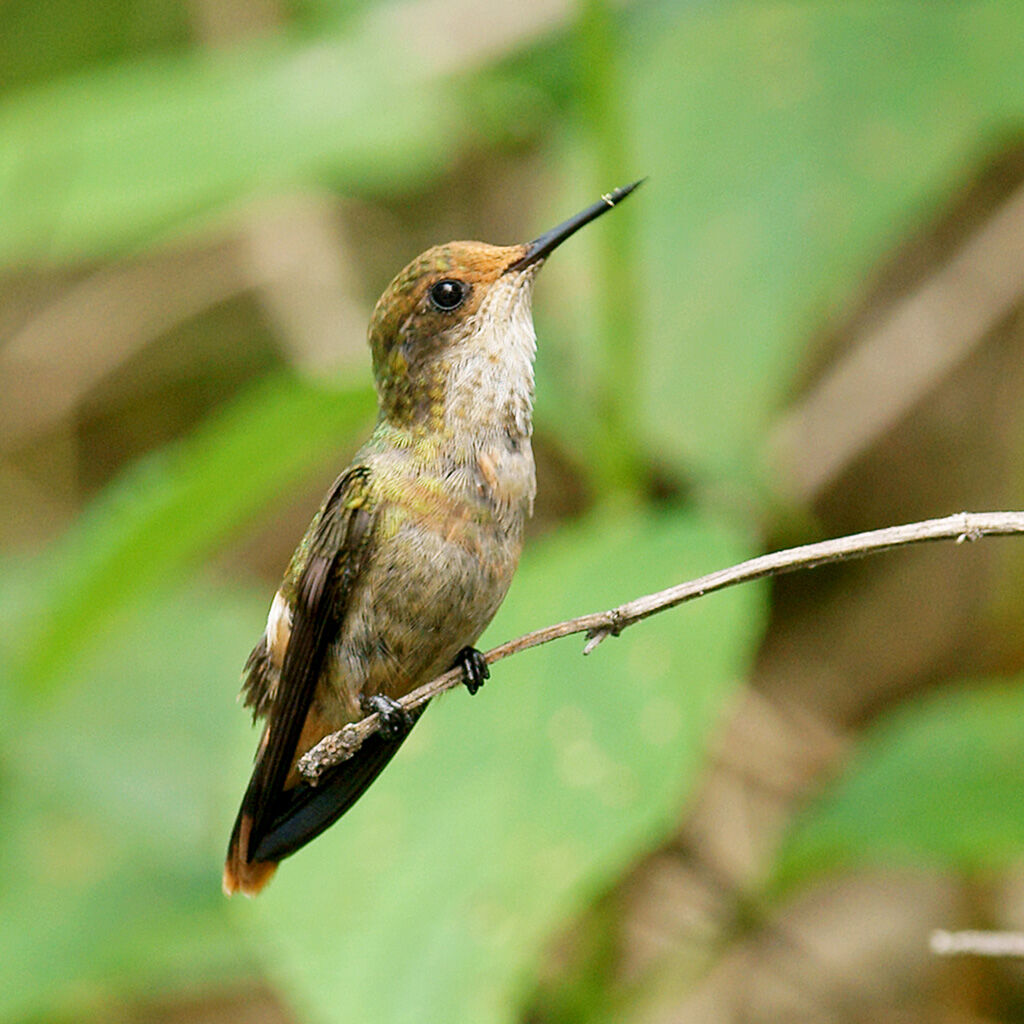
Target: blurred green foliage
934,784
174,508
113,794
787,145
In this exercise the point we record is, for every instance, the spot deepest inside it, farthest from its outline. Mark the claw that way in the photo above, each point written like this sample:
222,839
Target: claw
474,668
395,721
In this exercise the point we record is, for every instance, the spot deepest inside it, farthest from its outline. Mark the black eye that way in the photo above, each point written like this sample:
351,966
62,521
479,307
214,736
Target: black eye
447,295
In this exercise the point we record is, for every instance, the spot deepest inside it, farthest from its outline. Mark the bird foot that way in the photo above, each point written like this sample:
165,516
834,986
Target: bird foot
474,668
395,721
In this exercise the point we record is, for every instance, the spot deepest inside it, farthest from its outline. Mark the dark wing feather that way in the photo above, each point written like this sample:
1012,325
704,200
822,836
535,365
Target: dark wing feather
334,559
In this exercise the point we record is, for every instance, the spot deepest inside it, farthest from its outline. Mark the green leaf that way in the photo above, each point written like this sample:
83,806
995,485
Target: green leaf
40,42
173,508
788,147
119,157
114,802
503,815
936,784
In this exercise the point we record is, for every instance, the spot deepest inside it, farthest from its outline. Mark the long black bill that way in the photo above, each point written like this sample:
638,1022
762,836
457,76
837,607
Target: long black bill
541,247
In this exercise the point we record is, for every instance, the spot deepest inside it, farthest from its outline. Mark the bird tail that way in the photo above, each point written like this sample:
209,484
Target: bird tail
298,815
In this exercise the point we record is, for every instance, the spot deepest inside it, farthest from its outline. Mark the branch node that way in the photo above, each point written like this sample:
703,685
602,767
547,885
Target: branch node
615,623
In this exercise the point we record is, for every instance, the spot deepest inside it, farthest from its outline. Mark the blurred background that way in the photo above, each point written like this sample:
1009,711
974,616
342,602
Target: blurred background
757,807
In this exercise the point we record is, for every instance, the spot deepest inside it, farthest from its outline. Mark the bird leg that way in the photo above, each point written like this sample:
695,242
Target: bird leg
395,721
474,668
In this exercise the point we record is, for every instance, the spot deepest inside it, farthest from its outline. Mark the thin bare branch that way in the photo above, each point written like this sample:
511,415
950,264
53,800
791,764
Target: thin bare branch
976,943
962,527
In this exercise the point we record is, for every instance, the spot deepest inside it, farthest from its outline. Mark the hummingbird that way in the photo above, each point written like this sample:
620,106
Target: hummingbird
414,548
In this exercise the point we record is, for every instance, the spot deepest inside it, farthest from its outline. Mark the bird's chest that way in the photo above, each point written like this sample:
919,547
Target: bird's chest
447,550
504,478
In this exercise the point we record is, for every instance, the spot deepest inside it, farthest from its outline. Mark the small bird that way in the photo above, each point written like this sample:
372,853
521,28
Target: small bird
414,547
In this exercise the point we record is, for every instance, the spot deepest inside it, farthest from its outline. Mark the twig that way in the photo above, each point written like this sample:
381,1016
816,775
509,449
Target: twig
976,943
962,527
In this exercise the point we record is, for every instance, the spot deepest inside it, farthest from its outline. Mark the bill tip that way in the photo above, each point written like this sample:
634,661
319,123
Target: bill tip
618,194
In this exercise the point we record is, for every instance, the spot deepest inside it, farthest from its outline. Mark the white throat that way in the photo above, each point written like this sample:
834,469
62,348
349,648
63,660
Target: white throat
490,384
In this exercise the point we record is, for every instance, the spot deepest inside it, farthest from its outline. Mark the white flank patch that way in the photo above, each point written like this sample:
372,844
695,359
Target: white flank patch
279,629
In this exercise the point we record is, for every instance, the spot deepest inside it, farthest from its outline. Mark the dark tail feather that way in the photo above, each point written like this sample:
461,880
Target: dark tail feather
240,873
298,815
304,811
